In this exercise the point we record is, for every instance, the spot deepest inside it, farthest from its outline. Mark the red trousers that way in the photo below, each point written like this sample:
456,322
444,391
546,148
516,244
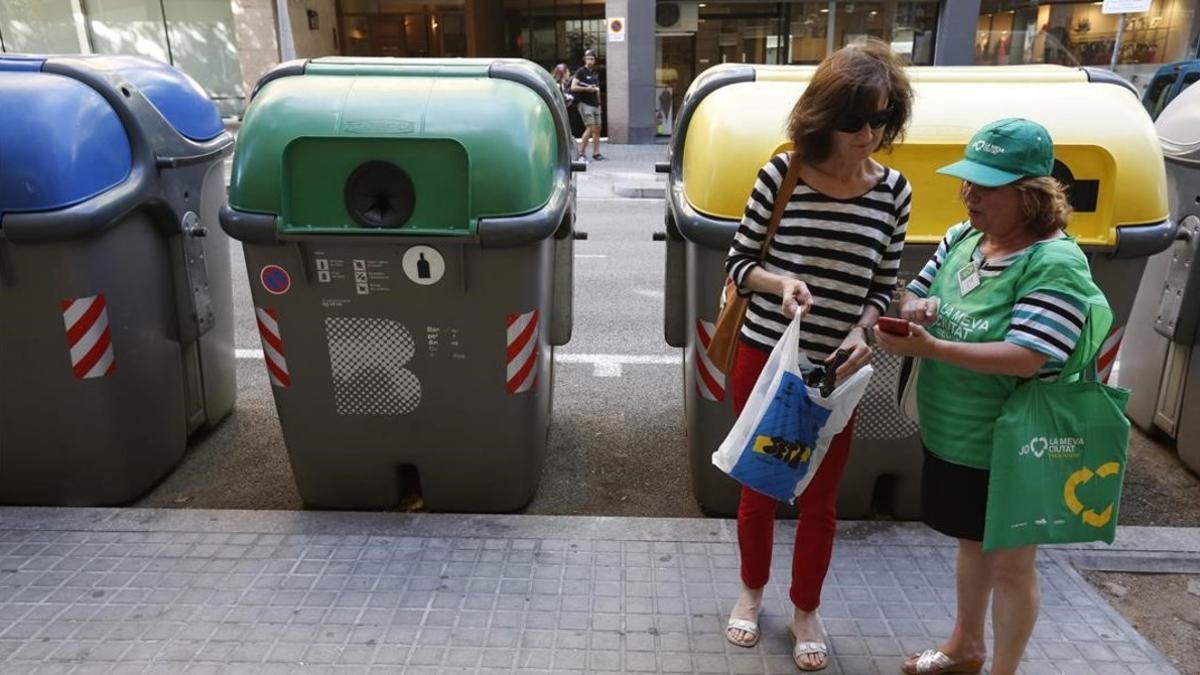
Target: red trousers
818,505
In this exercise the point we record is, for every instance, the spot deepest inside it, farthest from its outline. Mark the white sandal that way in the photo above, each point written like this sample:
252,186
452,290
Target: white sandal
744,625
807,648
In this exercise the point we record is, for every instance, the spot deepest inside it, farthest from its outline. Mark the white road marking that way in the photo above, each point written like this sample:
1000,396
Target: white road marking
591,255
612,365
649,293
603,365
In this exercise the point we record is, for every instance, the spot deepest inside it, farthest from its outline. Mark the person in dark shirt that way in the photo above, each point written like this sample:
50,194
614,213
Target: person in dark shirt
586,87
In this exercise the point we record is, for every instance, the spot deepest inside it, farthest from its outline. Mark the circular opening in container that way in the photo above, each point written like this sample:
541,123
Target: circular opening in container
125,91
380,195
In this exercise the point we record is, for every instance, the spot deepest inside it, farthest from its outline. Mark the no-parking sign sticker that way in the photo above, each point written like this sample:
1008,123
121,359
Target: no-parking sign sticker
616,29
275,279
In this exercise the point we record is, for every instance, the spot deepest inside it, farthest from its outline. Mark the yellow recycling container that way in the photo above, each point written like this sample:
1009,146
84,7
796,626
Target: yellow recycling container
733,119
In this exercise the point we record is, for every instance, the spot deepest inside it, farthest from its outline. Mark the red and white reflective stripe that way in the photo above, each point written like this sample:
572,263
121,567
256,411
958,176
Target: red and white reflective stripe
1108,353
710,382
272,342
522,352
89,337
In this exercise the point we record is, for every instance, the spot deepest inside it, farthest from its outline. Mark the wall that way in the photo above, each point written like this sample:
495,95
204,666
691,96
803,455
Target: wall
254,30
485,28
39,26
319,42
629,95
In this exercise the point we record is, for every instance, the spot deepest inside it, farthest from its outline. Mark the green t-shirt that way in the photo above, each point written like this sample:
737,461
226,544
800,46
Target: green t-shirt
958,408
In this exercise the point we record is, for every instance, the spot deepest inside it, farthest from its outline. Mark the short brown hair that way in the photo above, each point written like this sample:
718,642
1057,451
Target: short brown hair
850,82
1044,204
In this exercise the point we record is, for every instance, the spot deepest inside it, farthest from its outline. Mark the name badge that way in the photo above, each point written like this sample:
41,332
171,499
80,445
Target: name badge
968,279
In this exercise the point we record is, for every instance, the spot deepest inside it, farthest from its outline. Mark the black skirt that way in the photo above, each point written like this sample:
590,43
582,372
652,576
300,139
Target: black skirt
953,497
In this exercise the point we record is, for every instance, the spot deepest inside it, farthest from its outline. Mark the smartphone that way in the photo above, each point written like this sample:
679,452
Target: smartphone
895,326
829,379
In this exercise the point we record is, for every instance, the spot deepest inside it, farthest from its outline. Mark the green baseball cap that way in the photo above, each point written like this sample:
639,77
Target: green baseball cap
1005,151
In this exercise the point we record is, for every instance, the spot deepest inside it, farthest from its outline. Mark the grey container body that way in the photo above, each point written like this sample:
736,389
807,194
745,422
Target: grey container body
107,440
411,376
1160,359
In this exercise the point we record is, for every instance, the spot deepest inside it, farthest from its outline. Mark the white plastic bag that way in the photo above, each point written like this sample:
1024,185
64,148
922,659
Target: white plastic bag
783,433
906,388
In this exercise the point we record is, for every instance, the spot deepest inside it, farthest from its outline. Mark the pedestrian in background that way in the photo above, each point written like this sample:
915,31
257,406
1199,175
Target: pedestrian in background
835,258
586,87
562,77
1001,300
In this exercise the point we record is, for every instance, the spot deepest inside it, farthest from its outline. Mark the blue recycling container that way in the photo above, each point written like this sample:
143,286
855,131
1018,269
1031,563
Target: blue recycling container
116,302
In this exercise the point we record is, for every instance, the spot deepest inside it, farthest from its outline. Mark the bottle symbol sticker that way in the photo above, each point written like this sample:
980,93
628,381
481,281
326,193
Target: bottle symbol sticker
423,265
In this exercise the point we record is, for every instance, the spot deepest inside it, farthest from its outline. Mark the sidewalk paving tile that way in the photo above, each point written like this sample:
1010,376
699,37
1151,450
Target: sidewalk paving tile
85,591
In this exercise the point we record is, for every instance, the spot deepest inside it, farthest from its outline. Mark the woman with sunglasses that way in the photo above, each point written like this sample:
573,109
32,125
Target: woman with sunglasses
834,257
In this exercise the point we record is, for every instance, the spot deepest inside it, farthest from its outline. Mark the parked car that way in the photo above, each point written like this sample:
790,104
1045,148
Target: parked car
1169,82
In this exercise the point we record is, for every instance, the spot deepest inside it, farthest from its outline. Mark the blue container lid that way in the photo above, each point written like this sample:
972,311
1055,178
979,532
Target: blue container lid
61,142
180,100
9,62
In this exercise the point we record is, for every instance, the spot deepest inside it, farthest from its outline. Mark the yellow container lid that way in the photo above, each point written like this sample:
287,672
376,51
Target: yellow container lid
1101,134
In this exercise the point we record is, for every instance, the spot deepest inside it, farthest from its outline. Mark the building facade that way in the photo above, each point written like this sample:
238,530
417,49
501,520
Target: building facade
646,66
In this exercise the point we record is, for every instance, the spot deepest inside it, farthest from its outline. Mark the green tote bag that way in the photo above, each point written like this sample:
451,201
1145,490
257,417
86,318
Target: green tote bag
1058,455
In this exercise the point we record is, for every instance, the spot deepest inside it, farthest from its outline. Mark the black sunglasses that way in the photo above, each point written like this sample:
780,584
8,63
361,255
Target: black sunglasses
852,123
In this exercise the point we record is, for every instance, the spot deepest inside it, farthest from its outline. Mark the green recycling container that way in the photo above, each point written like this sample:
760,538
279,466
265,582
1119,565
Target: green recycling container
408,229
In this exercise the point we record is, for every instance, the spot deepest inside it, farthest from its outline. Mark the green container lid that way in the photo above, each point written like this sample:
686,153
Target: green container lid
399,146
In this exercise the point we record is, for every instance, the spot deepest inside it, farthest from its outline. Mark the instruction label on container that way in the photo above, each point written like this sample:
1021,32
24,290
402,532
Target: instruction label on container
354,276
423,265
444,342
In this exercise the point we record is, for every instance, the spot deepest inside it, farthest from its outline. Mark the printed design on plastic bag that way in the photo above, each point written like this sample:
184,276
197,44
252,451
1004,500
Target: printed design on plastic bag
780,451
1087,515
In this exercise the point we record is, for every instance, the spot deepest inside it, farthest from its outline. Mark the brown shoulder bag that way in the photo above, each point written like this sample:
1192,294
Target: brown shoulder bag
722,348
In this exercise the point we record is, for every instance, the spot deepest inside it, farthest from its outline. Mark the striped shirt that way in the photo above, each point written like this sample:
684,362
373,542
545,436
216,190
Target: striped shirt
1046,321
846,250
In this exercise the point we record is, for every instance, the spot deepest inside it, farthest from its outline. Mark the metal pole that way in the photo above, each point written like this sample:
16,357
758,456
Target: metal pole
162,6
83,31
1117,43
829,26
287,45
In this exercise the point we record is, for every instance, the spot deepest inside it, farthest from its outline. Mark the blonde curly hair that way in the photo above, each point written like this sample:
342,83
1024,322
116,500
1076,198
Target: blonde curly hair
1044,204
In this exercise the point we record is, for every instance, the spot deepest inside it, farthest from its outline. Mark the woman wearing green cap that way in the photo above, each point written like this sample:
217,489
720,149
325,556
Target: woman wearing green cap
1001,300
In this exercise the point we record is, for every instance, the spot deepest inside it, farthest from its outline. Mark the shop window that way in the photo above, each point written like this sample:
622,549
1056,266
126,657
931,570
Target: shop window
1079,33
38,27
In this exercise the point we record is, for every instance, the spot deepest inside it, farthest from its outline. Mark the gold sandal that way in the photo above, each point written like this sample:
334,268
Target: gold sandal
936,662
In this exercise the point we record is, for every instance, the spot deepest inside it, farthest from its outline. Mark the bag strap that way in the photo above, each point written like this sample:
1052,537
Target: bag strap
790,178
1084,360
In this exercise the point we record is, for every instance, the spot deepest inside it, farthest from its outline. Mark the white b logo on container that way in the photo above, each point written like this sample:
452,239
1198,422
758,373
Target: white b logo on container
423,265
